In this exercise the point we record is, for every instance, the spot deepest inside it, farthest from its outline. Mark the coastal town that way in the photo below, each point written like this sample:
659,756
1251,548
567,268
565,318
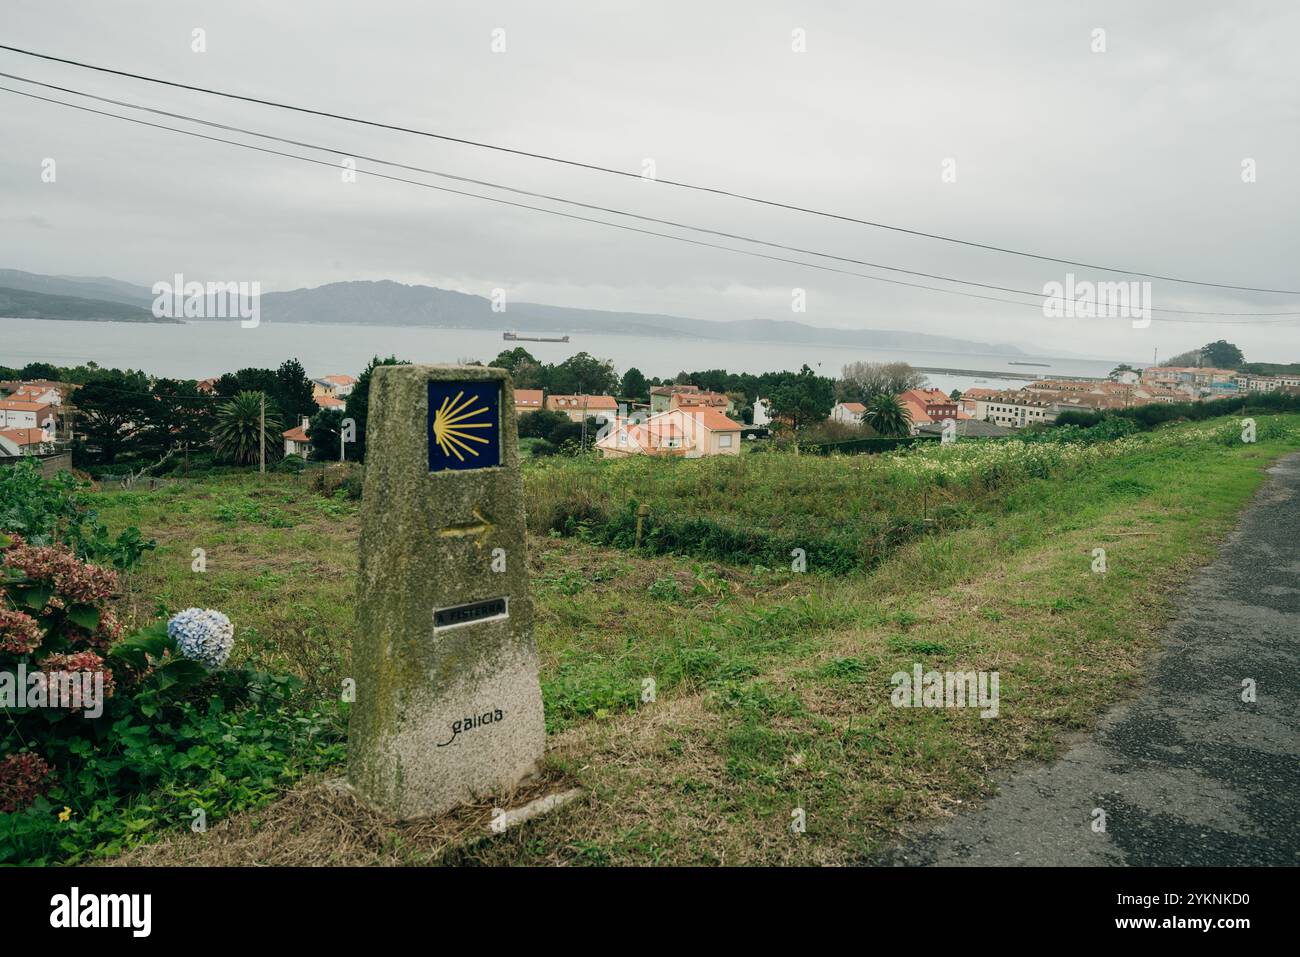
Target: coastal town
38,416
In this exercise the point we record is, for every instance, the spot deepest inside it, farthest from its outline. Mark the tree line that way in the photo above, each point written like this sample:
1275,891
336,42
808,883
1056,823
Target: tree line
125,416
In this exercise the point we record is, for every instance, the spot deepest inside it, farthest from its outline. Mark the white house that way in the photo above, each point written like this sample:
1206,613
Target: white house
20,414
15,442
37,392
848,413
762,415
1015,410
296,441
1265,383
335,386
602,408
680,432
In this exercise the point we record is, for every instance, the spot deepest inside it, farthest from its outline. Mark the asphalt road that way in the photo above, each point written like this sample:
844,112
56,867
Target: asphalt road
1187,773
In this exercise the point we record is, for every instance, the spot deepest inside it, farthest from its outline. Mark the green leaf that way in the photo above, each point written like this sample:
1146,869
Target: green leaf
182,672
85,616
36,596
137,649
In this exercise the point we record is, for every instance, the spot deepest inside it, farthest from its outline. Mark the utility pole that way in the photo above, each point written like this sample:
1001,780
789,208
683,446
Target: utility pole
261,435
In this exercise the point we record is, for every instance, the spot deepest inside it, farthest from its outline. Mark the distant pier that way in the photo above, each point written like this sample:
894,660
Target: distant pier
1002,374
515,337
980,373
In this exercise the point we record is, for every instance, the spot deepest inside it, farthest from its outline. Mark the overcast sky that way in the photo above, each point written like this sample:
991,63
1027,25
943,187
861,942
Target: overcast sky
1130,157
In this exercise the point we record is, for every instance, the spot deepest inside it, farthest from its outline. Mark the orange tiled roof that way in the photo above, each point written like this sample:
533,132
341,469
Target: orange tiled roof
693,399
24,436
920,402
592,403
1012,397
23,391
712,419
673,389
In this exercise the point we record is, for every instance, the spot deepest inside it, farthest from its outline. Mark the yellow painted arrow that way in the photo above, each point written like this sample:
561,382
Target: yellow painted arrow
481,530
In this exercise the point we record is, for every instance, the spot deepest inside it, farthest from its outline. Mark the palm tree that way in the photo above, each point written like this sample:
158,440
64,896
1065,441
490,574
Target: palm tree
889,417
235,436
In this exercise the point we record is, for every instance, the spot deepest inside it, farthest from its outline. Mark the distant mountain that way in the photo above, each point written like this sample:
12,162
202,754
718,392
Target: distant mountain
383,303
22,304
387,303
395,304
110,290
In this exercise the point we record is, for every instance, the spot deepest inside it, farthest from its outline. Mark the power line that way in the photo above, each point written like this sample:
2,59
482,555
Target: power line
733,194
185,117
1280,317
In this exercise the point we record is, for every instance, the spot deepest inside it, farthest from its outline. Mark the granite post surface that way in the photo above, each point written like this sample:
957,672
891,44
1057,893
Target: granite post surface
448,707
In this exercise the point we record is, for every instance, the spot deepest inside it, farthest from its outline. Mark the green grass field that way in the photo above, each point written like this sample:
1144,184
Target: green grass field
772,687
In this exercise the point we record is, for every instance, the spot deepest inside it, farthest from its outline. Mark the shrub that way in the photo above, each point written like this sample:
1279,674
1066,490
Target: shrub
869,446
292,464
169,730
346,481
23,778
65,599
45,510
352,486
1078,417
167,733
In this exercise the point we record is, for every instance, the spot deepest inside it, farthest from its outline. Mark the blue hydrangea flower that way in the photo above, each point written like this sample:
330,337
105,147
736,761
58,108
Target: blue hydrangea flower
203,634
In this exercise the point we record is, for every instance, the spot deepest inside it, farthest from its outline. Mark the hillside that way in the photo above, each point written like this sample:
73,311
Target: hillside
392,303
388,303
81,287
23,304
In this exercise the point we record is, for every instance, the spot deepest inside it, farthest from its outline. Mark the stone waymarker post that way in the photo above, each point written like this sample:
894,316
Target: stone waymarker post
448,706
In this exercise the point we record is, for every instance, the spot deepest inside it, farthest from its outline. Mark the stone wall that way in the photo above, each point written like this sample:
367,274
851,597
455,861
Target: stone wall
51,465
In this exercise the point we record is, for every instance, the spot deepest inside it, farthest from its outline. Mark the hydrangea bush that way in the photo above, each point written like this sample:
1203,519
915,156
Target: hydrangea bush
55,617
177,729
23,778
